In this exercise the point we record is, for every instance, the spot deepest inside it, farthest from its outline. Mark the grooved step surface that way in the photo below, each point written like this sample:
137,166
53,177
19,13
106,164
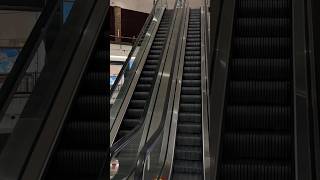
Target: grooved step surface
81,149
187,163
257,140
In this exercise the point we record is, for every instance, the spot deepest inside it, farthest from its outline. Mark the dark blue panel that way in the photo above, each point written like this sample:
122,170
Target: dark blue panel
112,79
67,6
8,57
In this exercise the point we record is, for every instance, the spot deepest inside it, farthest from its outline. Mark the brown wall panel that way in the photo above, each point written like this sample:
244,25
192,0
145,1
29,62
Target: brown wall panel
131,23
111,22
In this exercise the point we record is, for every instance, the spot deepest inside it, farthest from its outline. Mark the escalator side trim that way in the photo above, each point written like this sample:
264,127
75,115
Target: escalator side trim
301,117
204,97
313,91
217,91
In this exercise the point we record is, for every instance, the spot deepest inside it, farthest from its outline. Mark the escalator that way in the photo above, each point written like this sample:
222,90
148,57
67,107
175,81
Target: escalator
257,140
188,155
81,152
139,102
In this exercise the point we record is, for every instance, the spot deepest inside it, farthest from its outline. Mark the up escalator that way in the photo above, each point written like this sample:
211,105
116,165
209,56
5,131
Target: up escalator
257,140
82,149
138,104
188,155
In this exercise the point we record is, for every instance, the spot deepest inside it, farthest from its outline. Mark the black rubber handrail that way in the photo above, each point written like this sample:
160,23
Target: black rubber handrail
26,55
136,43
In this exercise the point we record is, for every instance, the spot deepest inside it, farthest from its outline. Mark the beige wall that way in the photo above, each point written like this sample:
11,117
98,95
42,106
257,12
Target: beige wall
16,27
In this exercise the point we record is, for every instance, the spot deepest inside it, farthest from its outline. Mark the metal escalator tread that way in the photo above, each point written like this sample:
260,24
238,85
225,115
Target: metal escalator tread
257,139
146,81
187,163
81,148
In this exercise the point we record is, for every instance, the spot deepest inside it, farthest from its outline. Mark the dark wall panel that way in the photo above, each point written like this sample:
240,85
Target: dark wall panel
131,23
21,4
316,35
111,23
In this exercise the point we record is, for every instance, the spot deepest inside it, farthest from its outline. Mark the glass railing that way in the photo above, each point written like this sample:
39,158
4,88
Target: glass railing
122,163
128,71
140,44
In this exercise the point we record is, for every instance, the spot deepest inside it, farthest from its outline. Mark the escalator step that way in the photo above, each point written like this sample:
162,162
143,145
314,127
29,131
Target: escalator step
262,8
146,80
192,153
195,29
257,146
148,73
157,42
191,76
191,83
264,47
190,117
188,153
134,113
149,67
192,63
156,47
155,52
196,32
190,99
191,90
257,139
72,162
184,166
260,69
192,53
138,103
152,62
192,58
191,107
187,176
82,134
193,48
189,128
257,92
93,80
268,27
189,140
93,106
140,95
255,170
143,87
193,40
258,117
81,150
193,36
